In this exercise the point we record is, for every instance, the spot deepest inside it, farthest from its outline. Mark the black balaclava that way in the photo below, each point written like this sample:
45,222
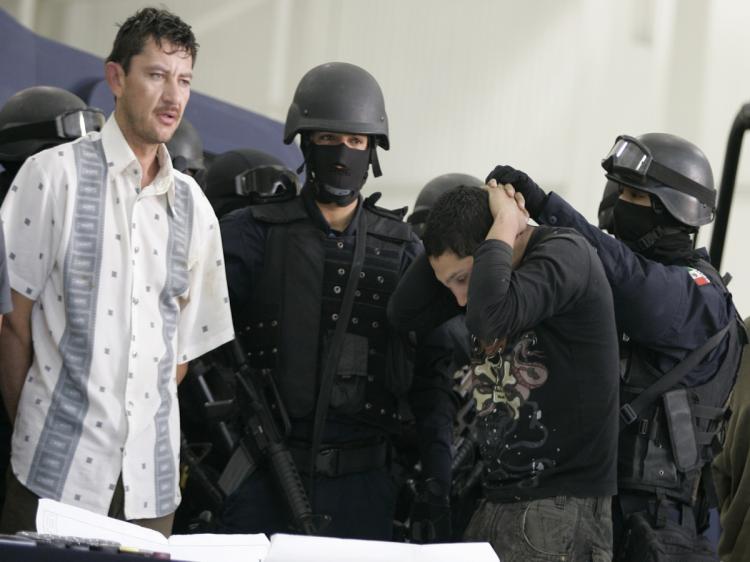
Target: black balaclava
652,232
337,172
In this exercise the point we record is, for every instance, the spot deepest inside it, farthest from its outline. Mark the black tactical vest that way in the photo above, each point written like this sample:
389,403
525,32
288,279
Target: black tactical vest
665,449
294,309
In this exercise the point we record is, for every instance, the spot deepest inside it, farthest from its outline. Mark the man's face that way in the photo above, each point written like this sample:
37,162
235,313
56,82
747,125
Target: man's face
324,138
152,96
454,273
635,196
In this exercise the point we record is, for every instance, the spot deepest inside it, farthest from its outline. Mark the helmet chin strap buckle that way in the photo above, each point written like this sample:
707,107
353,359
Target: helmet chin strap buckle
336,191
327,194
650,238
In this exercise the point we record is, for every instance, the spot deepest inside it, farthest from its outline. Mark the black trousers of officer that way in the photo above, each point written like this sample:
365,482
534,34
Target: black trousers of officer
361,505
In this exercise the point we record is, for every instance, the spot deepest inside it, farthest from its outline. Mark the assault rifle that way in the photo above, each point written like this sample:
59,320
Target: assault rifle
262,441
466,468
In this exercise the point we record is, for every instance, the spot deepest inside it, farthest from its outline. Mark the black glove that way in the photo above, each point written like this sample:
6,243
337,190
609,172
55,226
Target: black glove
430,514
533,194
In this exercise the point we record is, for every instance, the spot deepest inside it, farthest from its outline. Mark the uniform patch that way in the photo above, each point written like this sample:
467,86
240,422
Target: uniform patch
699,278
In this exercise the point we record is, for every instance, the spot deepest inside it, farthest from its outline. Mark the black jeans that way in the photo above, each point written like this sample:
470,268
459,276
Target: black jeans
562,528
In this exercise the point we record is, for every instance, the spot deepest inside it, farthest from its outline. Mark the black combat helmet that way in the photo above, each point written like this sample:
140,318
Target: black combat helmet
607,205
43,116
186,148
246,176
673,170
341,98
432,191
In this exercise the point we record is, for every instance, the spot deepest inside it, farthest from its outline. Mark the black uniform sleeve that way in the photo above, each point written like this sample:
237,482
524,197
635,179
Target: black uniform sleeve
657,305
550,278
244,241
410,309
433,401
420,302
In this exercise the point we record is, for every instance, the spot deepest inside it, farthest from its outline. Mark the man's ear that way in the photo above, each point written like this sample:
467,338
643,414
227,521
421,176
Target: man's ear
115,76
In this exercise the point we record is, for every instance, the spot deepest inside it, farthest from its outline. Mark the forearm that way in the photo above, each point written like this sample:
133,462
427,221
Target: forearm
617,259
503,230
182,369
486,314
420,302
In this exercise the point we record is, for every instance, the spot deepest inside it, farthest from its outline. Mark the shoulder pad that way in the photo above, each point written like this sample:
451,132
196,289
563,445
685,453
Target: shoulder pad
397,214
279,213
386,226
548,232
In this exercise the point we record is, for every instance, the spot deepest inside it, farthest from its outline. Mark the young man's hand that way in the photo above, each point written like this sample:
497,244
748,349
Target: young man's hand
533,194
509,211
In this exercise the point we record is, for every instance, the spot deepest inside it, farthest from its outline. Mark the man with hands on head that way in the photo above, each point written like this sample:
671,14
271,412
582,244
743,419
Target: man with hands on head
545,375
675,317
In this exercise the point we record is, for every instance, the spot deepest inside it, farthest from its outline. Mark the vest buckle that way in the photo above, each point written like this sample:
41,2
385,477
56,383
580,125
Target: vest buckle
627,414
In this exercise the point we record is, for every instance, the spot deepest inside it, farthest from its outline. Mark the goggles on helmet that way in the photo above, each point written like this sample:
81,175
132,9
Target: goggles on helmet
265,183
74,124
69,125
632,160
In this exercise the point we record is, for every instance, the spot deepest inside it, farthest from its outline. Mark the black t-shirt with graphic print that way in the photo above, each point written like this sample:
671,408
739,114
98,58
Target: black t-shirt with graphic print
548,401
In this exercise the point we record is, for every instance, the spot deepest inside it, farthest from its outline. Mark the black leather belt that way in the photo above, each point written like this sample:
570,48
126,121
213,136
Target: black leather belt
337,460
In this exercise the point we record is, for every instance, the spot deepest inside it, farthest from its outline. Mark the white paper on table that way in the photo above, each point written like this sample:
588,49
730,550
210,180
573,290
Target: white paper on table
56,518
294,548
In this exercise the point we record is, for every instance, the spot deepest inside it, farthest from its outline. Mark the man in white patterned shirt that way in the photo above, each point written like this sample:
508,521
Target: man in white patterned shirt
115,265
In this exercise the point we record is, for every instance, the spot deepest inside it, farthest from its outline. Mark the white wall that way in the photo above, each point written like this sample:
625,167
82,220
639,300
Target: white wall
545,85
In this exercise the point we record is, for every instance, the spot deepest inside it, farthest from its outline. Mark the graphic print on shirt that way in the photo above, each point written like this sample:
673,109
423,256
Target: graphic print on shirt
509,422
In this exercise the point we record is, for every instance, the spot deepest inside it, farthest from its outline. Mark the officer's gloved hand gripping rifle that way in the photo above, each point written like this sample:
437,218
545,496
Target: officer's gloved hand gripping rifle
262,441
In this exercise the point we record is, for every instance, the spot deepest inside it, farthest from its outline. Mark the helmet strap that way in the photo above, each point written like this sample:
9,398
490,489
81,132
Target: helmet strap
667,245
304,144
374,162
650,238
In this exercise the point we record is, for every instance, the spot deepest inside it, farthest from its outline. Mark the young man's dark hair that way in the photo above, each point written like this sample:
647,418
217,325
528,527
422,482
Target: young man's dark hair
155,24
458,222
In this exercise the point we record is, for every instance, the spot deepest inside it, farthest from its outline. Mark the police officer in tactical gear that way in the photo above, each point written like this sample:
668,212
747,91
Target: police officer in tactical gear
186,149
681,336
247,176
443,352
309,281
37,118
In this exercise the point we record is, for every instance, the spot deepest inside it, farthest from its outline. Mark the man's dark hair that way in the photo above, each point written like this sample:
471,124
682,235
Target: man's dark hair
151,23
459,221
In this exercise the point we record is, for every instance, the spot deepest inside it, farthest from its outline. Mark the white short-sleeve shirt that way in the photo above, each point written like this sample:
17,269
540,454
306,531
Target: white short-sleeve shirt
127,283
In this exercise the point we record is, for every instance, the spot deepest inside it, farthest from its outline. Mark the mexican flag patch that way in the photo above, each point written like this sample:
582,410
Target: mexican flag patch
698,277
